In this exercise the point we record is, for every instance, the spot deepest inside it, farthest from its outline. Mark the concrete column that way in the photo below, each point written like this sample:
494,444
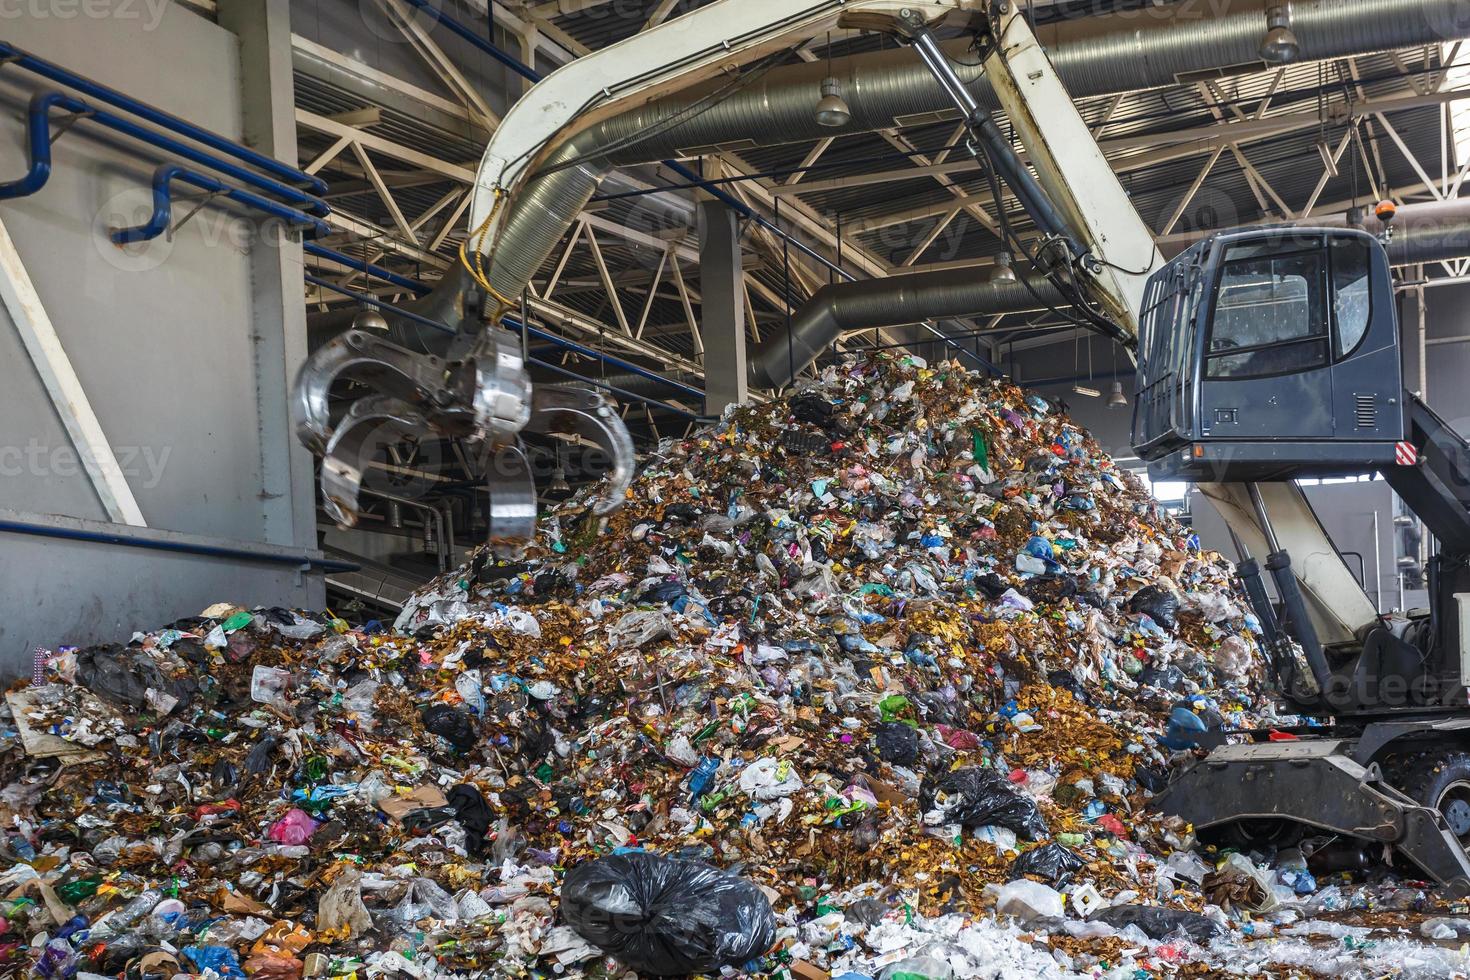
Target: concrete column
722,326
278,314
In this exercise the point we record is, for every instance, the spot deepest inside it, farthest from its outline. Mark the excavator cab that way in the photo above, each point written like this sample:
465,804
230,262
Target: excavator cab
1270,353
1265,356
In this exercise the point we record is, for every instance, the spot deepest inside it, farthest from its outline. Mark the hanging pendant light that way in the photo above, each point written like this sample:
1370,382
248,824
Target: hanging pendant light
1117,399
1004,270
369,318
833,110
1280,45
559,482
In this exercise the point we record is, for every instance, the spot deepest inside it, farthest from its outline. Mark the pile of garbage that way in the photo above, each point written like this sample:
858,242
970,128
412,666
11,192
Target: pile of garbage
872,681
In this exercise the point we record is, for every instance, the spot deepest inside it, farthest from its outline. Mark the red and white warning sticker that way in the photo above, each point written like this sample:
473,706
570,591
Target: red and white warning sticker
1405,454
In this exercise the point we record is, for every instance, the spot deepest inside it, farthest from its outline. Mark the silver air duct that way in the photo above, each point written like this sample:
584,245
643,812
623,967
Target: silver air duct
1094,56
1422,233
1122,52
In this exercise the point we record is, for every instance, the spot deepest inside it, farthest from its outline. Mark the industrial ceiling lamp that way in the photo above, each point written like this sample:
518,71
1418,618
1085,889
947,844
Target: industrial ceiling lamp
1117,399
369,318
833,110
1280,45
559,482
1004,271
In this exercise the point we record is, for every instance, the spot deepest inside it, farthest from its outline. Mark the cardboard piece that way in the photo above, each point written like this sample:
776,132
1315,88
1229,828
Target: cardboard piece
422,798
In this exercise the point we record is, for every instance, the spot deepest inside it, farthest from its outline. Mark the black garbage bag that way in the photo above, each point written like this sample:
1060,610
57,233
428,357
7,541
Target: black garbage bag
665,916
687,513
453,724
977,797
1153,779
992,585
898,743
671,591
1158,603
474,814
123,677
1160,923
812,409
1168,678
1051,862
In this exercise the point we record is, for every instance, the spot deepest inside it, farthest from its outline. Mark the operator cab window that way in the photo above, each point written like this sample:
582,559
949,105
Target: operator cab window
1351,293
1270,313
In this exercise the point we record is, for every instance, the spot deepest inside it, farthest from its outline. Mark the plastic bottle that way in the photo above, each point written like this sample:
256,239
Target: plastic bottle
130,913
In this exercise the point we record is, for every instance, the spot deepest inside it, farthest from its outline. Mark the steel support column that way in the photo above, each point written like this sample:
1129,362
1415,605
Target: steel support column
723,307
287,493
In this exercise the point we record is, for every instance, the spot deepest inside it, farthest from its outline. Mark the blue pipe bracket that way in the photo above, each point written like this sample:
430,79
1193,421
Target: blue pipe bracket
163,181
12,55
39,138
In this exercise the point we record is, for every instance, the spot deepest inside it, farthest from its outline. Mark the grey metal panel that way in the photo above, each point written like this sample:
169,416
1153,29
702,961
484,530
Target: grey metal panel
160,336
163,339
74,593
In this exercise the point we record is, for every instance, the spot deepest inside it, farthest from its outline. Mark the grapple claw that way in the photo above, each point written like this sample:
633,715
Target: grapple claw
415,378
353,445
593,416
479,392
512,501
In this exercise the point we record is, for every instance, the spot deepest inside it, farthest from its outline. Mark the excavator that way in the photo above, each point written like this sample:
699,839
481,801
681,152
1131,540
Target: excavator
1264,356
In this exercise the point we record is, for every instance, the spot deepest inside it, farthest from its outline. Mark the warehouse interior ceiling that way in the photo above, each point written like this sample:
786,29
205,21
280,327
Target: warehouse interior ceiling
394,111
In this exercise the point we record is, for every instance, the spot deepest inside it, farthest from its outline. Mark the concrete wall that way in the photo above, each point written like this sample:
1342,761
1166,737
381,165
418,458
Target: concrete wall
167,340
1448,315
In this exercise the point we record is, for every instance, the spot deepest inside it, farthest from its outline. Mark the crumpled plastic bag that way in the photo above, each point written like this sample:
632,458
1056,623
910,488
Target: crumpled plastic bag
1233,659
1157,603
296,827
221,959
975,797
425,900
1027,901
665,916
125,677
273,966
769,779
897,743
635,629
453,724
342,908
1052,862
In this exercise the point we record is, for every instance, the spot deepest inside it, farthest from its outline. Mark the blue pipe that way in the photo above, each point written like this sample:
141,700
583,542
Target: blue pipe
695,180
377,271
177,547
505,58
515,324
38,132
583,379
368,300
163,179
10,54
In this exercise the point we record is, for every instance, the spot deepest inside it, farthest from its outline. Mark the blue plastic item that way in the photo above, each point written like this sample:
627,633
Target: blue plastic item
220,959
1184,729
703,777
1039,547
